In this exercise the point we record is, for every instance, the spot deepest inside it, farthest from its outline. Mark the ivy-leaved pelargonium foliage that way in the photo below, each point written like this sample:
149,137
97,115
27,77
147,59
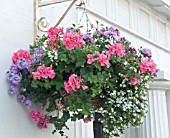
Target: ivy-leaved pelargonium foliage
79,74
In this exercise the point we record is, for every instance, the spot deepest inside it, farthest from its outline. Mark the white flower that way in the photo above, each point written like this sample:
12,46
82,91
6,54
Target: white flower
146,77
125,63
147,85
79,110
135,70
124,85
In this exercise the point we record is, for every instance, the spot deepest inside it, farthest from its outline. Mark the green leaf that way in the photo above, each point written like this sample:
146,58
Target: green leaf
34,84
47,84
53,119
63,57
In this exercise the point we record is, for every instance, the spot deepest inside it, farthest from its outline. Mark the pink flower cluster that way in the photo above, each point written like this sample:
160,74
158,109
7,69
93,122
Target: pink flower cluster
37,117
116,49
72,39
43,122
91,58
86,120
21,54
53,42
134,81
73,83
59,105
53,36
44,72
102,58
53,32
148,65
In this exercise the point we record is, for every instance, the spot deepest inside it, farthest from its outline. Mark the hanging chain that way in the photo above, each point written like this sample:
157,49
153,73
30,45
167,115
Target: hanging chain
86,15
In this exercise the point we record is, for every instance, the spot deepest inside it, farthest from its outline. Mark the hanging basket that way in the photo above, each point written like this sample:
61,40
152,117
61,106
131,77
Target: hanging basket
83,73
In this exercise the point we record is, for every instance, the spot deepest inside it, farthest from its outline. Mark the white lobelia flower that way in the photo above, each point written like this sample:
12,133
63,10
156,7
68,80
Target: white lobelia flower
125,63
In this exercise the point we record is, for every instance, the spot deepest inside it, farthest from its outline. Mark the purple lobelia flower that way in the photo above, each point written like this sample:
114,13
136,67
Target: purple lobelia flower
10,76
36,59
101,33
14,78
25,72
31,50
117,32
87,38
28,65
127,52
21,64
123,39
69,29
28,104
38,50
21,98
14,69
111,32
156,75
133,51
111,29
147,52
12,90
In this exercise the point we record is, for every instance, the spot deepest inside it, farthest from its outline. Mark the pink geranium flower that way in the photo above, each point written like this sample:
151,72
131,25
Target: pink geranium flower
148,65
54,38
43,122
59,105
134,81
50,72
85,120
73,83
104,60
93,118
80,79
36,115
90,58
21,54
125,76
111,50
67,87
72,39
53,32
120,49
36,75
44,72
84,87
116,49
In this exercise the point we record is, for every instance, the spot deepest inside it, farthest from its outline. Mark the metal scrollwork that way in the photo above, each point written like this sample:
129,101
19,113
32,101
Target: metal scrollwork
43,24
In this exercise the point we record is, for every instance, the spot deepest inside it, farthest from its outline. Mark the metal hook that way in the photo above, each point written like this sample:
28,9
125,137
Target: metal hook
81,3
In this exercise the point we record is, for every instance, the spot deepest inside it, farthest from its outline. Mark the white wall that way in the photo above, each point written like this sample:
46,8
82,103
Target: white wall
16,31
